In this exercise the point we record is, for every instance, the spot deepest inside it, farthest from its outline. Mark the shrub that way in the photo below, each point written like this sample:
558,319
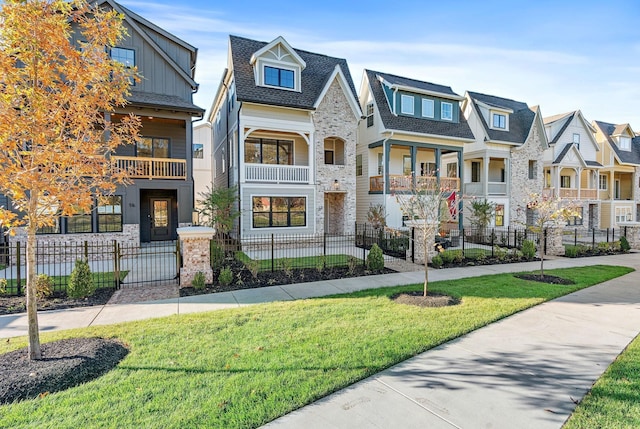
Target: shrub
575,251
375,259
80,283
253,266
3,286
624,244
217,255
436,261
198,281
500,253
352,263
452,256
528,249
44,286
321,262
286,265
226,276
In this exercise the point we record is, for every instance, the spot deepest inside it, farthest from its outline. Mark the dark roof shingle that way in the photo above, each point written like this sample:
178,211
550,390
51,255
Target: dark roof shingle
163,101
630,157
520,121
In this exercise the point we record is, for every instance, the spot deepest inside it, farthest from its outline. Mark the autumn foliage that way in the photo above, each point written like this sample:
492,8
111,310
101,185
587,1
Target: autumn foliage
58,85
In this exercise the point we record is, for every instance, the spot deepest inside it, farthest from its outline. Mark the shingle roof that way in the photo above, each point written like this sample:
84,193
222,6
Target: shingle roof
418,84
163,101
593,163
562,129
314,77
563,153
410,124
550,119
520,121
632,156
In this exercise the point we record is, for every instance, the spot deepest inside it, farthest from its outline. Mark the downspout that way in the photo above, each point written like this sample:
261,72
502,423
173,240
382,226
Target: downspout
240,135
312,147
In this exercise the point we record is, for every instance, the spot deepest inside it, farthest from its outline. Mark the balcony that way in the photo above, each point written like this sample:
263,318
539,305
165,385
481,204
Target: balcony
403,183
572,193
152,168
270,173
477,188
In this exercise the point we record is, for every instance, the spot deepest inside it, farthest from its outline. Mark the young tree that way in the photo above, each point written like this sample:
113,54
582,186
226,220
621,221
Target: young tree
481,212
427,204
55,133
549,212
219,208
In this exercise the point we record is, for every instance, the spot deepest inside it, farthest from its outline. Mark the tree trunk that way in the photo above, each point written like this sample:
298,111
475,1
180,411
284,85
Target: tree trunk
32,309
542,261
426,265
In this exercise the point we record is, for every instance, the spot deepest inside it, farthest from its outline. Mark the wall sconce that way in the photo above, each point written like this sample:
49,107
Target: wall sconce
336,185
195,218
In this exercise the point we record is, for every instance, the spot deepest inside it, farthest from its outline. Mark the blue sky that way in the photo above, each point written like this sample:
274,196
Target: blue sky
561,55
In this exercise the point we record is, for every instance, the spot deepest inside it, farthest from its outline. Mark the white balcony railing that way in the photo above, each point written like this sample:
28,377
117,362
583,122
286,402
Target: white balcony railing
269,173
477,188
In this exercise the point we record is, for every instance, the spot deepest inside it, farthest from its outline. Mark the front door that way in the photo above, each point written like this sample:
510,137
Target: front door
160,219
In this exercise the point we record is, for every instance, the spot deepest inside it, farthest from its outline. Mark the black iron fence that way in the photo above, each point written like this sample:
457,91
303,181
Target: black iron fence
593,238
272,252
112,264
393,242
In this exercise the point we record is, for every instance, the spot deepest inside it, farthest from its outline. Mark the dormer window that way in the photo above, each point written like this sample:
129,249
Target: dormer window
282,78
624,143
446,111
406,104
427,108
499,121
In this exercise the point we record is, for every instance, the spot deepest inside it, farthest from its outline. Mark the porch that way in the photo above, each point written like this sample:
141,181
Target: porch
404,183
152,168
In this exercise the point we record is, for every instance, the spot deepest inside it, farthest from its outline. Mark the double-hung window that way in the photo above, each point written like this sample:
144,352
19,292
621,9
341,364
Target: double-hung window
427,108
406,104
446,111
499,121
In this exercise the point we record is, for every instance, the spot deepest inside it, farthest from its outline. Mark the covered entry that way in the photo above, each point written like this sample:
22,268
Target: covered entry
334,212
158,215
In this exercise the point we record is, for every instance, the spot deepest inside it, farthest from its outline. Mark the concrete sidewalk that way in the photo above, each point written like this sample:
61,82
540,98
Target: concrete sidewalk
526,371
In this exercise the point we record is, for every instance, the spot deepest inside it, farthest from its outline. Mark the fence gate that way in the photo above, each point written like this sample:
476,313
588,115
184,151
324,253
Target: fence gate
155,262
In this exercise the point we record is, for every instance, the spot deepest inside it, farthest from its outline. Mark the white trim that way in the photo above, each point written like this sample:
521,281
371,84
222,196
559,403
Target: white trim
273,44
420,91
433,107
435,136
493,114
442,103
408,101
281,228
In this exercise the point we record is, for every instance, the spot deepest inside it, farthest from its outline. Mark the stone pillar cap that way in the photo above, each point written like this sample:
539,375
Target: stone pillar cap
196,232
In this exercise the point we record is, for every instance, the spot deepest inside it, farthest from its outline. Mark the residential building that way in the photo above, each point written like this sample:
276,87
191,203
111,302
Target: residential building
202,160
503,164
571,169
413,133
618,185
284,133
160,195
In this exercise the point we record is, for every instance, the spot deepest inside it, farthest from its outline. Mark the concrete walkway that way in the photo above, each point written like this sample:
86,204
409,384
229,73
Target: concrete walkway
526,371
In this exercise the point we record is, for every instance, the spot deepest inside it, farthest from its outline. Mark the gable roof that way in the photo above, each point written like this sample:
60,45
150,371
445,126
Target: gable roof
520,121
562,129
459,130
421,86
319,69
626,157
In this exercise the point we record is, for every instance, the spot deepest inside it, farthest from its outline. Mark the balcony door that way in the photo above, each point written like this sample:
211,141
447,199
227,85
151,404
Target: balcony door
160,219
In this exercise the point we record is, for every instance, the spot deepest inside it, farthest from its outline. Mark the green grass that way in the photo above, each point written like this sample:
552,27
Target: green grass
244,367
101,280
302,262
614,401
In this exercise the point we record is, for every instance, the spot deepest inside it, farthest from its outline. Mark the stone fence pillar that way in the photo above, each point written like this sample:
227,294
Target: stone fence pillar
554,241
419,239
632,231
196,253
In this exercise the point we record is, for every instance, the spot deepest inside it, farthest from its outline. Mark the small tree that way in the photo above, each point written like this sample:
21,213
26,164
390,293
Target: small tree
55,131
376,216
220,208
549,212
481,213
428,204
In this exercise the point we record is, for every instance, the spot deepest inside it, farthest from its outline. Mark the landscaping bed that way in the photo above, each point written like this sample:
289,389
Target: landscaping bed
57,301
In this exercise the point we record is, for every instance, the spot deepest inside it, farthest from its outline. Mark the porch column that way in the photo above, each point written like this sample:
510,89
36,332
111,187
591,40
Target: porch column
196,253
485,175
438,166
507,174
312,158
387,154
414,155
578,180
459,192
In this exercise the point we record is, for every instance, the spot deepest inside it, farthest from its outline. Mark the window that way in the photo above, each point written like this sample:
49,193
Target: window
623,214
198,151
268,151
446,111
334,151
475,172
576,140
380,163
452,170
152,147
406,104
55,229
547,178
427,168
79,223
499,215
625,143
499,121
565,181
278,212
110,214
358,165
278,77
603,180
406,165
369,115
576,220
533,169
427,108
124,56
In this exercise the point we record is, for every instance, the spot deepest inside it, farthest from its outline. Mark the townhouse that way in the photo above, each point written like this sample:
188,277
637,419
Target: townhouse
284,125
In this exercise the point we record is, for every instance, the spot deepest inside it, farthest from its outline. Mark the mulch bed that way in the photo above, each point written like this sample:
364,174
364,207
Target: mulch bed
431,300
243,279
64,364
58,301
545,279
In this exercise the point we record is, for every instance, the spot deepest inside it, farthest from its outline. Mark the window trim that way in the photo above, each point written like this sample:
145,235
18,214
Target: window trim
270,211
260,141
576,140
280,69
99,215
359,164
576,220
532,169
433,108
442,117
194,150
502,120
407,101
153,139
369,114
626,146
132,81
476,172
601,182
562,179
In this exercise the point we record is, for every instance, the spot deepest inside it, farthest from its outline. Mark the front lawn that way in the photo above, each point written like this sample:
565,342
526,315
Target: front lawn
244,367
614,401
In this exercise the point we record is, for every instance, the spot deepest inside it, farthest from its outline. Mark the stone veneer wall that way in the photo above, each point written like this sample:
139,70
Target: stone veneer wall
554,241
64,247
196,254
521,186
334,118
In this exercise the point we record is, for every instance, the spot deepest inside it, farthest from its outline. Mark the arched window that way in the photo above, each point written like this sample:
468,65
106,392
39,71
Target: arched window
334,151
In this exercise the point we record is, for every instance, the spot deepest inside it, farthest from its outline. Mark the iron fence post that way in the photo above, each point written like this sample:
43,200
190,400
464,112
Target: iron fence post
324,244
575,237
613,235
544,234
413,245
272,261
593,238
86,251
116,268
493,236
462,238
508,236
18,273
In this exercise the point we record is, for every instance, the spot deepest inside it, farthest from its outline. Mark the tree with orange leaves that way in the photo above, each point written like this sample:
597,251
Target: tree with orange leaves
57,85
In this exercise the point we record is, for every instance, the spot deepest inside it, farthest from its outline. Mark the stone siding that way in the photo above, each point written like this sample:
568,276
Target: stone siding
196,254
334,118
521,186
